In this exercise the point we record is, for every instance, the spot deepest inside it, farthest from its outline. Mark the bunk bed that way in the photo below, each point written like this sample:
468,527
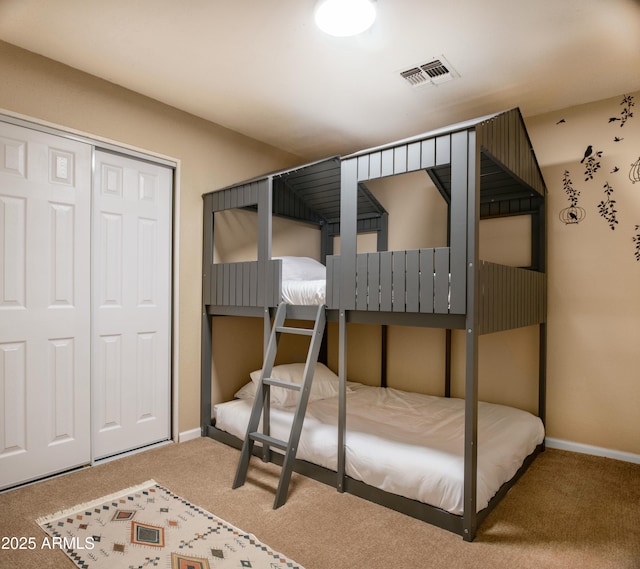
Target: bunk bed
483,169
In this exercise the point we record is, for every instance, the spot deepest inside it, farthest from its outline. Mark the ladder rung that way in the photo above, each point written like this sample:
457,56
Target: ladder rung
269,441
290,330
280,383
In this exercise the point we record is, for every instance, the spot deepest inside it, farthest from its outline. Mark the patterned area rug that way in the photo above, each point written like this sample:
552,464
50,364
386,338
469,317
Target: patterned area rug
149,526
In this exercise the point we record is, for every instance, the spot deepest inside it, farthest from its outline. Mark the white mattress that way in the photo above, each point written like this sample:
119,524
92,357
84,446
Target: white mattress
304,292
304,281
405,443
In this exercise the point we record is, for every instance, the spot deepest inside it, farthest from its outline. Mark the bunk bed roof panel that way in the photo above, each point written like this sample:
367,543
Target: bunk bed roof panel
309,193
465,125
502,192
318,186
335,160
504,139
508,167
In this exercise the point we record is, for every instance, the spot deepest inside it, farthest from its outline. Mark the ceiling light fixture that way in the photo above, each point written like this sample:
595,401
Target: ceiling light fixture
343,18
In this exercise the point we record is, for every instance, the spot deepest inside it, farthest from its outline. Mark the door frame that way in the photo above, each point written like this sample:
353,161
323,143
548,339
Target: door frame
100,143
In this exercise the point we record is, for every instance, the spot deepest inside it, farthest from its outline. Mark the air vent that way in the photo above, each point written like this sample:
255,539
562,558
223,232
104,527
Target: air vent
433,72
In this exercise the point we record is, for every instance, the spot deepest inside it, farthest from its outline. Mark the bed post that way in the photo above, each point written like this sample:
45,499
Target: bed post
447,363
205,373
539,263
265,201
542,365
326,248
383,245
206,324
342,397
265,206
326,243
542,375
383,354
447,338
464,174
348,251
348,232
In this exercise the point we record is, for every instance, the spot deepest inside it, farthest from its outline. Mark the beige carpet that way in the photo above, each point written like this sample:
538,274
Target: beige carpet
568,511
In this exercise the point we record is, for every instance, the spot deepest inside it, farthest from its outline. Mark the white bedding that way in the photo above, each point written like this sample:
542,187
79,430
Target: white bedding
405,443
304,281
304,292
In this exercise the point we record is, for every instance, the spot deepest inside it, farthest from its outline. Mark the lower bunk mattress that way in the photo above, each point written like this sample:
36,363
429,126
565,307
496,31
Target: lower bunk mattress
408,444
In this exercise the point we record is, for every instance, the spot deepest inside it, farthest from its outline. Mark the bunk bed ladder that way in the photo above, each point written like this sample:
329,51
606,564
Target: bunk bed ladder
261,402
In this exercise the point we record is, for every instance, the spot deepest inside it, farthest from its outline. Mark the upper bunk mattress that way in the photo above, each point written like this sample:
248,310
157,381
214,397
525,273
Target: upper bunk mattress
304,281
405,443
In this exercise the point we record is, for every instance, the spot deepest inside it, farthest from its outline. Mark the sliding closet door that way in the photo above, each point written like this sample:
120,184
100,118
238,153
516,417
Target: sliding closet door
131,269
45,192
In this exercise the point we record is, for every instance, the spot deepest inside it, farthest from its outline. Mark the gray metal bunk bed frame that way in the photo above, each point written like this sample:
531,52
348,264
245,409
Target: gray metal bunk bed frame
485,168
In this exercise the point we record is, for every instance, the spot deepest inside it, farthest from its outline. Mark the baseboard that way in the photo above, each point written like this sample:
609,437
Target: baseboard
189,435
596,451
130,452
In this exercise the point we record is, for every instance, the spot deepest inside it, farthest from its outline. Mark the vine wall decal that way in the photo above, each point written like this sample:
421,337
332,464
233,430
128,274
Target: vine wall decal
625,114
592,164
573,213
607,208
605,158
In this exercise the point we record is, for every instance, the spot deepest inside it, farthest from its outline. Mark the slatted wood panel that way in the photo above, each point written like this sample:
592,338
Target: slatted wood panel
505,138
238,196
510,297
311,193
288,203
238,284
366,225
404,158
415,281
505,208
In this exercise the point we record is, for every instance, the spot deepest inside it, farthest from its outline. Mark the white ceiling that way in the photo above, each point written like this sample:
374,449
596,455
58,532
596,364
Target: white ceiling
260,67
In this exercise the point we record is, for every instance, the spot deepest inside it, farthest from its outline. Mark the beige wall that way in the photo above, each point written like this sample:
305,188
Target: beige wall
594,277
210,157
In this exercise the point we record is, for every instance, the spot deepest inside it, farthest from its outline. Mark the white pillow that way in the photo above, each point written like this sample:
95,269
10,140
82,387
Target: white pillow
324,385
247,391
302,269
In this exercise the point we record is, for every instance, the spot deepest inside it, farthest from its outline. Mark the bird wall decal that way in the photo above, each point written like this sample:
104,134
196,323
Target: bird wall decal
587,153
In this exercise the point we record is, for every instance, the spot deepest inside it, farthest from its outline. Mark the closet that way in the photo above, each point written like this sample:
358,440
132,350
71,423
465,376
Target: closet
85,302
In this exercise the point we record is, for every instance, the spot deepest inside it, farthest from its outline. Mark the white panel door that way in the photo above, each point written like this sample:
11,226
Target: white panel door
45,197
131,268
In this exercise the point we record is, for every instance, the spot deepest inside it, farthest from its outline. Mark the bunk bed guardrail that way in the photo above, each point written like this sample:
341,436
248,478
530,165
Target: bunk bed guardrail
510,297
238,284
397,281
419,281
416,281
